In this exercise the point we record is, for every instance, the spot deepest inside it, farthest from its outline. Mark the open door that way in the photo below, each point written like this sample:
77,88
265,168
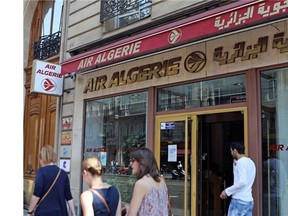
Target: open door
193,152
215,170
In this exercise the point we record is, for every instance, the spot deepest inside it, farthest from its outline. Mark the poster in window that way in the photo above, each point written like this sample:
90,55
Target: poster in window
66,137
103,158
172,153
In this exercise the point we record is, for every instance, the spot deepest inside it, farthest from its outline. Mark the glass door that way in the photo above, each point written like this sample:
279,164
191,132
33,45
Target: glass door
193,152
175,136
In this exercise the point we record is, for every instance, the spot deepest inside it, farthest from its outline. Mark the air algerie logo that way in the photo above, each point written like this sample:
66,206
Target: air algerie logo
195,62
174,36
48,85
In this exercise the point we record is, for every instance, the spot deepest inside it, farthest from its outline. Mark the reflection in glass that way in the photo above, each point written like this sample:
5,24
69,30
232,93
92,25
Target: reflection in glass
113,128
201,94
116,13
274,115
52,11
172,157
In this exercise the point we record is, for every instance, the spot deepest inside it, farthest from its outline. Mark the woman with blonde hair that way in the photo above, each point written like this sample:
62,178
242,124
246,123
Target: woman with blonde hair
100,199
52,188
150,193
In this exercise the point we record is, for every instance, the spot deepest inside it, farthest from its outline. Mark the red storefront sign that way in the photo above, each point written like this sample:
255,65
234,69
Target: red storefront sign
219,20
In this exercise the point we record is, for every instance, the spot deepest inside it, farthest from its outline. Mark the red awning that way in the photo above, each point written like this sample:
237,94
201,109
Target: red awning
212,22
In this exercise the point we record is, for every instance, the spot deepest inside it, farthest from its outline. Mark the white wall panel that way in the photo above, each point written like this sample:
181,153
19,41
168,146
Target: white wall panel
81,4
173,6
85,13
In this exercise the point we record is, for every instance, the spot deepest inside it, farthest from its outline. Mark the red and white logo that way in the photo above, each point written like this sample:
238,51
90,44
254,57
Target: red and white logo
174,36
48,85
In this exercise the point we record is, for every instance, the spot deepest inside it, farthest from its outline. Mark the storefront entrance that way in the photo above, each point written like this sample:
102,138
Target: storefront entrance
194,156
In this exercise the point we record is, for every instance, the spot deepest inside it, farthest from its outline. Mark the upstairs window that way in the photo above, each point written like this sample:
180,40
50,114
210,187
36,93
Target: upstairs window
49,43
119,13
52,12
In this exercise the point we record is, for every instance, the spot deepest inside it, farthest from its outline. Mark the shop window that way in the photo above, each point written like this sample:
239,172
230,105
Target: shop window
274,116
119,13
114,127
49,42
201,94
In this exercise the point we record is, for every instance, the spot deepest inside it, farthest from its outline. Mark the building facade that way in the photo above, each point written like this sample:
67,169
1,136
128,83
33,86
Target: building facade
184,78
42,37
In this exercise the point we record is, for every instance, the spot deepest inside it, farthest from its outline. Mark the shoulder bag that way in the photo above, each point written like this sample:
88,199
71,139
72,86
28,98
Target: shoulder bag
101,197
33,211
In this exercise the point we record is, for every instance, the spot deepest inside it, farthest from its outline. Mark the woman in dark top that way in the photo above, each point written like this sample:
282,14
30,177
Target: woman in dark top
100,199
55,201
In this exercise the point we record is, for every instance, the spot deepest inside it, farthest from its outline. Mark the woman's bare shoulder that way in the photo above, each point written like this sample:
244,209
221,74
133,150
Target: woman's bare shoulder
86,194
143,183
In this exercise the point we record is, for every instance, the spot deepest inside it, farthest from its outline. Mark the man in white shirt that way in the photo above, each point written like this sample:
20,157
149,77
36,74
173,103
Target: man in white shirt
244,172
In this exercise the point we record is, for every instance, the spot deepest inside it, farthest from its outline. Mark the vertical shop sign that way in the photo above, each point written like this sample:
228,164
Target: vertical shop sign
46,78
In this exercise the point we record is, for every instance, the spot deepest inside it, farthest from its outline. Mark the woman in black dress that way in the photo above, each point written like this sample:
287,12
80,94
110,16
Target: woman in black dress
55,203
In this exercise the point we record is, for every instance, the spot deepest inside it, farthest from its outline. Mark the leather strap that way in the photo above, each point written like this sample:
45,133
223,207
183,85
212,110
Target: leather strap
101,197
48,190
169,206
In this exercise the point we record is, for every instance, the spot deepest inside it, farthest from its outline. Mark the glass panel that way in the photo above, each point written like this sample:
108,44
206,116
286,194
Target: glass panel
49,23
125,20
124,12
206,93
47,13
57,16
113,8
115,126
145,12
274,108
172,148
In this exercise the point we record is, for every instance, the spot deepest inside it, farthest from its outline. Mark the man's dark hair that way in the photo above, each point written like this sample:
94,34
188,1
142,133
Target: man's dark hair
239,146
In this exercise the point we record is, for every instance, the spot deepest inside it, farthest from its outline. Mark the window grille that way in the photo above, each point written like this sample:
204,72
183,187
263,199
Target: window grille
135,10
47,46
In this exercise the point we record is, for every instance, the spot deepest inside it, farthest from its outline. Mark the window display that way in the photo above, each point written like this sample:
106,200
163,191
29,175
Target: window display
113,128
274,116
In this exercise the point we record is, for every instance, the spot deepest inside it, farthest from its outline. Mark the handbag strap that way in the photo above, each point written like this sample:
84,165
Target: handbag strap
169,206
101,197
48,189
